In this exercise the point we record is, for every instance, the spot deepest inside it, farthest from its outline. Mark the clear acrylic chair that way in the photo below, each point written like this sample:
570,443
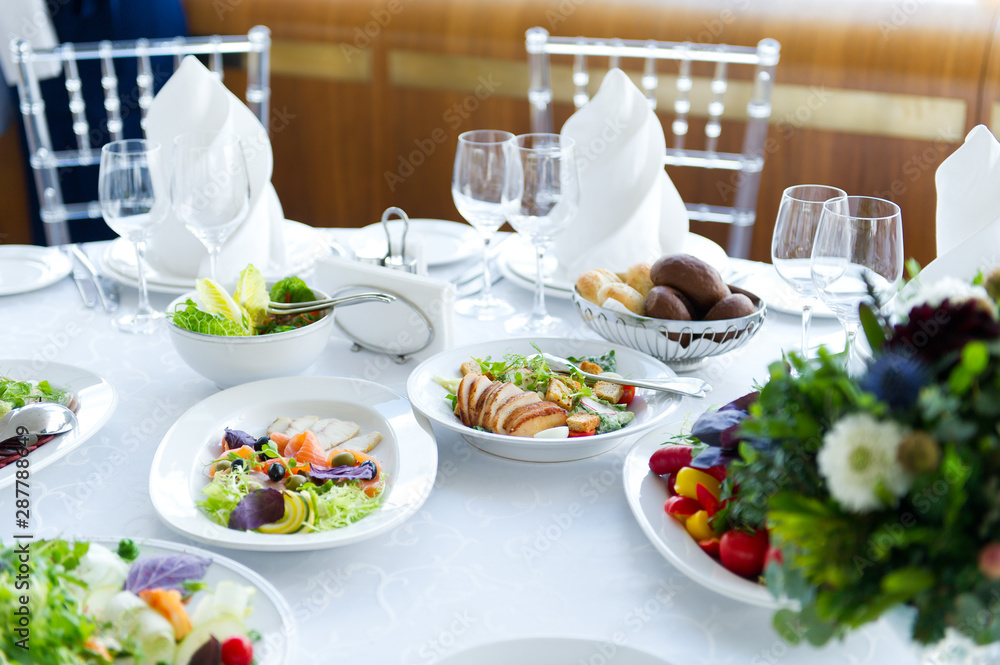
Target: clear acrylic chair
746,164
46,162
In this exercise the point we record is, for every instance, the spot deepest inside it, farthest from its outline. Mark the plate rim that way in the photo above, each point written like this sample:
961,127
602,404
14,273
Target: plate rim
558,640
768,272
174,285
261,583
634,470
457,230
612,439
422,483
61,450
60,268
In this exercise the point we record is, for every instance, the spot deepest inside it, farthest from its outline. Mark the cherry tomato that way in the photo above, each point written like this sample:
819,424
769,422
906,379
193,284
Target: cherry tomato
669,458
237,650
708,501
587,433
628,394
773,555
743,553
710,546
718,472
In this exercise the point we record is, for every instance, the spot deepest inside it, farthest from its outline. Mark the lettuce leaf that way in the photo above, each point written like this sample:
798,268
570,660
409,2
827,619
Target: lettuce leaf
193,319
251,294
291,289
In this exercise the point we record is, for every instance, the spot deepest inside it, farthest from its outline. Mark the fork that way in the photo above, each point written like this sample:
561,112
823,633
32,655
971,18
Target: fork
283,308
682,385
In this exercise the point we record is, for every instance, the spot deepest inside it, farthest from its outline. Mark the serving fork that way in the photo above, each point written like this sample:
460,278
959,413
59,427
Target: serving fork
289,308
682,385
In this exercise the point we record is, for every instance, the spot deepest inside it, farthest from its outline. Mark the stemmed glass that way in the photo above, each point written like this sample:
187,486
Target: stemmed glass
859,244
210,188
792,243
540,198
132,186
476,187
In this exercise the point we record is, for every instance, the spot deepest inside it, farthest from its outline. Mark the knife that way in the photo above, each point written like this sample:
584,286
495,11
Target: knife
81,281
109,302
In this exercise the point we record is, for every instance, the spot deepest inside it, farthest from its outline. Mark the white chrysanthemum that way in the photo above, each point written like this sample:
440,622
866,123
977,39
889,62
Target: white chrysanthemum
857,454
952,289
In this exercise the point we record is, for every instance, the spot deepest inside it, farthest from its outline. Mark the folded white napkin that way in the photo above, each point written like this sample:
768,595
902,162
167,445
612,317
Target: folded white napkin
194,99
629,208
968,211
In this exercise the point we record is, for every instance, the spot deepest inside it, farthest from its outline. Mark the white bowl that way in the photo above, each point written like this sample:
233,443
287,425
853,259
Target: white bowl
230,361
650,407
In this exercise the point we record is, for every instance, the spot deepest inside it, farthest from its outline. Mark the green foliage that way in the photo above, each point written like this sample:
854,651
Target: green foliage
291,289
193,319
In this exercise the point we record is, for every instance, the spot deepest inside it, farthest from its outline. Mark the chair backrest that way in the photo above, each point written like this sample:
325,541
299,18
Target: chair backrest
46,162
746,164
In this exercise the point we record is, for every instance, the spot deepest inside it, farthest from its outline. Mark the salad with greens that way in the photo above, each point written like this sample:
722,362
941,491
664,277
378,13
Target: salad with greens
244,312
80,603
15,394
522,395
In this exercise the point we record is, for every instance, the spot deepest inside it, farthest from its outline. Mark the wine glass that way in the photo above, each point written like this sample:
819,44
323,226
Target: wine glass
132,186
792,243
859,245
476,187
210,188
540,198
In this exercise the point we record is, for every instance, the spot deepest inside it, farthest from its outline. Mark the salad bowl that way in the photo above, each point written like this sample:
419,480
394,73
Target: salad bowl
407,455
650,408
230,361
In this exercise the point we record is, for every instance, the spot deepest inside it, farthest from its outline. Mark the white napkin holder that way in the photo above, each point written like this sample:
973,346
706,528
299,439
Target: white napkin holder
396,329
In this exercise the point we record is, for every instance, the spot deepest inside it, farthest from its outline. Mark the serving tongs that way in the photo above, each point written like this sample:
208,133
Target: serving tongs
682,385
291,308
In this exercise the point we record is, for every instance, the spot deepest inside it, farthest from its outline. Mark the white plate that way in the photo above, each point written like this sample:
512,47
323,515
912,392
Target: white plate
650,407
25,268
646,494
270,614
97,401
443,242
407,454
778,295
304,245
551,651
517,263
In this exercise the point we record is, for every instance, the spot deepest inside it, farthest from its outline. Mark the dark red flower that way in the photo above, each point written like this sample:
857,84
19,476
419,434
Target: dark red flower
933,333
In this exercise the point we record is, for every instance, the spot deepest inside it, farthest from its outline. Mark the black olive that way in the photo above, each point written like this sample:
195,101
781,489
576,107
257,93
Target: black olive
261,442
238,465
276,471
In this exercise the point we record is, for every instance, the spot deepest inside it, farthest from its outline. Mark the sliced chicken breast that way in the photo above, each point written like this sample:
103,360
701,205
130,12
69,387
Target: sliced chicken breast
510,406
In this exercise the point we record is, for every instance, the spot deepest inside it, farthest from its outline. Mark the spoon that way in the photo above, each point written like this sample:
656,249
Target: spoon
326,303
38,419
689,386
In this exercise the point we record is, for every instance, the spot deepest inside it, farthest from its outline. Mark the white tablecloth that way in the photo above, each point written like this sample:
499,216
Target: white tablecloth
501,549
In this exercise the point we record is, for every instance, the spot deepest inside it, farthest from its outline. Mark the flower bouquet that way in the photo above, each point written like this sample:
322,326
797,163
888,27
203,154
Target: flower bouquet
883,490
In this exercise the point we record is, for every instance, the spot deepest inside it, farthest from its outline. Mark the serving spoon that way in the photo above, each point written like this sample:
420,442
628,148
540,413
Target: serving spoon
682,385
38,419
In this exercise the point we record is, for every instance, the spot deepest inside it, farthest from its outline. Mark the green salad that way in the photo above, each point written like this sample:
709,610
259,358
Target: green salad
244,312
15,394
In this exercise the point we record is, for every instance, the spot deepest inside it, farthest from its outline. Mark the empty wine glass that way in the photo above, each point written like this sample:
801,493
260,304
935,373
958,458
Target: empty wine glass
132,187
540,198
476,187
857,248
792,243
210,188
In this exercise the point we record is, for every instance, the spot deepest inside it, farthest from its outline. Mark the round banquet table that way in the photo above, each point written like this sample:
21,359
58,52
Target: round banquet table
501,550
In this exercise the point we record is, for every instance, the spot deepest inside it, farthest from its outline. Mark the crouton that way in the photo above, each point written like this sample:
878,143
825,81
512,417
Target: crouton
583,422
590,367
559,393
609,392
470,367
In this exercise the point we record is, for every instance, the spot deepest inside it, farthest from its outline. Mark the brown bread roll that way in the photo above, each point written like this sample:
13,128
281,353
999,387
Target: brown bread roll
624,294
663,302
700,282
731,307
589,283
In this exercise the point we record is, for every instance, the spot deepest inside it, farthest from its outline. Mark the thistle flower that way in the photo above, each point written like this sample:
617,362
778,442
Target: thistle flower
858,454
896,379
